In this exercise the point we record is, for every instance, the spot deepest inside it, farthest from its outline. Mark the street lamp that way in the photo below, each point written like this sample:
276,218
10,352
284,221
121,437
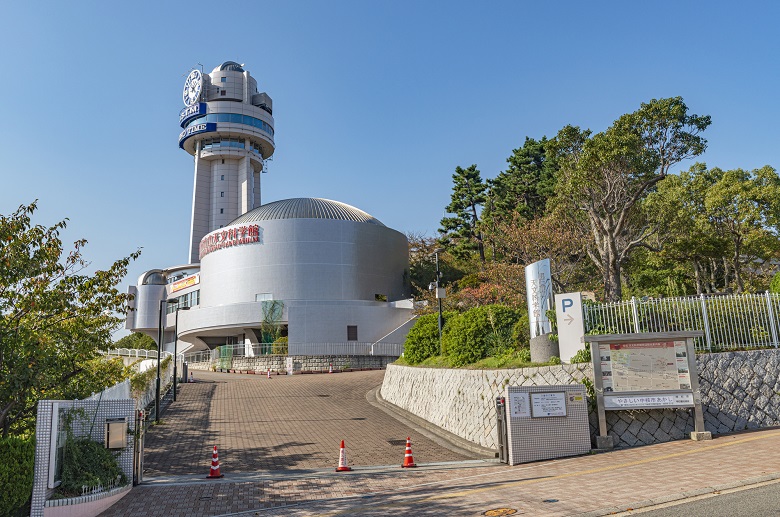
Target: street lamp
176,345
160,329
439,294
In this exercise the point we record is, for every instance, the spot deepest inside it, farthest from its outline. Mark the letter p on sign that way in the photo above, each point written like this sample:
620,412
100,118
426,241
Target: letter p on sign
566,303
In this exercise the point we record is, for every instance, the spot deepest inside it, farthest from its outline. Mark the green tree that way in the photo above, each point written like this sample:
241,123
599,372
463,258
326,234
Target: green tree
136,340
54,318
603,178
460,233
524,187
478,332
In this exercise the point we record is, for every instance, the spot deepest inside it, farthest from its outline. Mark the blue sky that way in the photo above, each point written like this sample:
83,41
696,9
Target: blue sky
375,103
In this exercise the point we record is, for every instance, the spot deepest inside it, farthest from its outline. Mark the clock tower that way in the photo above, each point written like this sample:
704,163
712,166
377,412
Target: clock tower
228,127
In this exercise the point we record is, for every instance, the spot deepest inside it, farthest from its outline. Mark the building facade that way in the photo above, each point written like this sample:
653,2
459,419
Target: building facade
329,277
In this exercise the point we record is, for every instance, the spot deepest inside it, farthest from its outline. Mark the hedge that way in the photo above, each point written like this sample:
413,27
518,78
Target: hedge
17,459
480,332
422,341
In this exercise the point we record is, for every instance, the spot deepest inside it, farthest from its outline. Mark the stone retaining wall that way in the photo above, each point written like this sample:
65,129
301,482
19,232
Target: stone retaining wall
301,363
740,390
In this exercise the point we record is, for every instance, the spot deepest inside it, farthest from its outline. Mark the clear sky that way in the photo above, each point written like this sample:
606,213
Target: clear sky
375,103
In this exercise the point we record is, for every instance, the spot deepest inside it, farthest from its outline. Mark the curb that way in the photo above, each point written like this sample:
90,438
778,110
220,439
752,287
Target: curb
433,432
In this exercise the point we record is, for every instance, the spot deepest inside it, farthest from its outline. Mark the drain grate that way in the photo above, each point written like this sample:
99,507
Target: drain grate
397,442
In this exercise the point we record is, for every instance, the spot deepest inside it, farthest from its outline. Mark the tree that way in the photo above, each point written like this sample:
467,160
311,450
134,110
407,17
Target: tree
136,340
460,233
604,177
54,318
525,186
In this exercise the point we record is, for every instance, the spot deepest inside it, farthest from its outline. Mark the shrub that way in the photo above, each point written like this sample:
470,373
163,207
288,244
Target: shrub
521,332
582,356
422,341
17,458
774,286
280,346
88,463
475,333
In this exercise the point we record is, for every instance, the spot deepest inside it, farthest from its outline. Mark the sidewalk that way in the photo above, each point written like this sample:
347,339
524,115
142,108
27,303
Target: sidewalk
590,485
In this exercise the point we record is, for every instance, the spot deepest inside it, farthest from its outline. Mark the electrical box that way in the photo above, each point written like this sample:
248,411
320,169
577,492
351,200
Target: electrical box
116,433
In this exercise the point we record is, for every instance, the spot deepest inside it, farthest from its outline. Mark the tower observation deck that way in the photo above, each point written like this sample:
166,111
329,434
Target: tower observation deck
229,128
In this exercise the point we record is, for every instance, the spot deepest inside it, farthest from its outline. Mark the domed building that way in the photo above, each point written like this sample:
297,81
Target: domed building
330,277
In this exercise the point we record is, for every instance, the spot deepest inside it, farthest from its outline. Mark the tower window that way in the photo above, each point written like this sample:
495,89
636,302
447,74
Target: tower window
221,210
223,79
223,163
223,176
221,194
352,333
223,93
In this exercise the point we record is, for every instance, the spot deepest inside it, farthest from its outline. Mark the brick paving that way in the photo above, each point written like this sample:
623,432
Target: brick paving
602,484
283,423
272,484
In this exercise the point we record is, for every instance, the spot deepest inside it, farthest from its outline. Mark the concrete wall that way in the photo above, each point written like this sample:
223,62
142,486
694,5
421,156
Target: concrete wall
740,390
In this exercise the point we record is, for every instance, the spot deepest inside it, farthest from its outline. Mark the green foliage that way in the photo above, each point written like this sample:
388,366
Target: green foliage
475,333
774,287
53,318
88,463
422,341
136,340
582,356
521,332
140,382
460,232
17,458
280,346
554,360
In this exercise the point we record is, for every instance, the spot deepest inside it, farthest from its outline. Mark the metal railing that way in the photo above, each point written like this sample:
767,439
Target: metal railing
261,349
136,352
728,321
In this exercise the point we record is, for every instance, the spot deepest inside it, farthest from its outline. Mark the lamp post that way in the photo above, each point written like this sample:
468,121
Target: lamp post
160,332
175,346
438,294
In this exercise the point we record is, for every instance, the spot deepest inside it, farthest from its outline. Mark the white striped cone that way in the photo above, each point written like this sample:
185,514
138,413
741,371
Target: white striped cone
408,459
343,467
215,472
269,373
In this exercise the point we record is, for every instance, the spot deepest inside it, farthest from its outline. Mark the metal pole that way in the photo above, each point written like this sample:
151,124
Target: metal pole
175,354
438,275
159,354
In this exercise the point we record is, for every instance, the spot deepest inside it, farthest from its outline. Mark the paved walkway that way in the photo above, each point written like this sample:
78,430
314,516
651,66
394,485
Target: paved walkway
282,423
279,441
601,484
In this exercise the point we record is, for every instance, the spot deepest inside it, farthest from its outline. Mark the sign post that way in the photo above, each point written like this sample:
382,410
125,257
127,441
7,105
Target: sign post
571,324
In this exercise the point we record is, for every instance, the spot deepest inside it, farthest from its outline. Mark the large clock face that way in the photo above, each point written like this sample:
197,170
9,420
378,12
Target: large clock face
192,87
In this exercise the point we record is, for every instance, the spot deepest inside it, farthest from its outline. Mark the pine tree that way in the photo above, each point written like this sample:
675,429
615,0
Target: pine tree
460,233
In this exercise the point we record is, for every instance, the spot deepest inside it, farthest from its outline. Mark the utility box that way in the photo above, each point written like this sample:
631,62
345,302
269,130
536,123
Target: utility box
546,422
116,433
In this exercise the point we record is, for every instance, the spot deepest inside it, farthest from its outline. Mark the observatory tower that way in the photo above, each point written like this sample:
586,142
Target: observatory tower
229,128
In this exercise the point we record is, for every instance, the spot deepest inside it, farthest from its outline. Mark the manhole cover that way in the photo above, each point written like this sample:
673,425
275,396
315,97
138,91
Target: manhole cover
396,442
500,511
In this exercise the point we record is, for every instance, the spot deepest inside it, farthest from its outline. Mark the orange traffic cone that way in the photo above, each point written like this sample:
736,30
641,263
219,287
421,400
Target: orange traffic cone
343,467
408,459
269,373
215,473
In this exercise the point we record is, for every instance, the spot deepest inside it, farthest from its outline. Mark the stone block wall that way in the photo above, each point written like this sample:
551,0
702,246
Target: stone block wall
301,363
740,390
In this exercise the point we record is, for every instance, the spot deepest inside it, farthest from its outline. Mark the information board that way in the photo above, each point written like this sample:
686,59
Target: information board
649,366
548,404
519,406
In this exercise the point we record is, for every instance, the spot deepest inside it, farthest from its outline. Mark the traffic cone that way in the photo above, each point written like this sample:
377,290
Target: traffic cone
215,473
269,373
192,378
408,459
343,467
330,370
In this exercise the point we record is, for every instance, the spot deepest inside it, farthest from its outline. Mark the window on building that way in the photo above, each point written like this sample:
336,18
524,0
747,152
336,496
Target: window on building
352,333
223,176
223,93
264,297
221,210
221,194
223,79
221,225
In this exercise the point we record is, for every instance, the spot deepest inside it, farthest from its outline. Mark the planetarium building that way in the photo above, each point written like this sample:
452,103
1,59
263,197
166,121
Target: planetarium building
328,276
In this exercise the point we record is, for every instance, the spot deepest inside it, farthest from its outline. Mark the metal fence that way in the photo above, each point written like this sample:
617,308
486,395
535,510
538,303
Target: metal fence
226,352
136,352
728,321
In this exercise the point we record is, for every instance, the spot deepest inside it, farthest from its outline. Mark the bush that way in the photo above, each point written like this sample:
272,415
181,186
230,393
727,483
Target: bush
280,346
521,332
478,332
774,287
17,458
88,463
422,341
582,356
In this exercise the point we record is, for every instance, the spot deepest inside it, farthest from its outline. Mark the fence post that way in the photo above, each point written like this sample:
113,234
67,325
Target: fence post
772,322
635,313
706,322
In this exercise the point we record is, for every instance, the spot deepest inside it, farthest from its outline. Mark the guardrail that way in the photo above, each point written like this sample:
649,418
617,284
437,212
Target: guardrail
261,349
136,352
728,321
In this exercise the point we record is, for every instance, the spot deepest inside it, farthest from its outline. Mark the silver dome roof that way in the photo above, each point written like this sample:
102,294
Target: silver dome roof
229,65
306,208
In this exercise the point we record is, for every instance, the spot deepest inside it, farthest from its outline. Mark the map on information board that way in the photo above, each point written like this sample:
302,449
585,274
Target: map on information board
661,365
